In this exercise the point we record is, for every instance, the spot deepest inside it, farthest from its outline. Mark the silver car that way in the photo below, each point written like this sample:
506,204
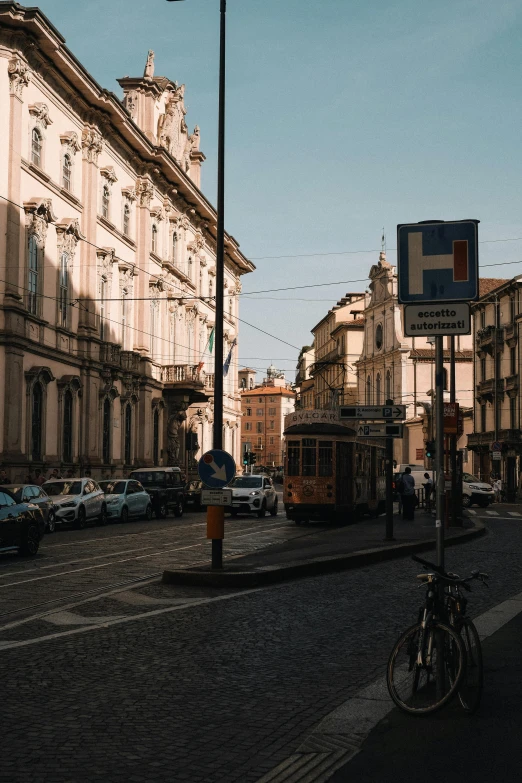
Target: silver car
77,501
253,495
126,498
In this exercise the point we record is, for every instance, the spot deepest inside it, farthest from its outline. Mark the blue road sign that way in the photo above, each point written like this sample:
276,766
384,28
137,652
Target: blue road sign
438,261
216,468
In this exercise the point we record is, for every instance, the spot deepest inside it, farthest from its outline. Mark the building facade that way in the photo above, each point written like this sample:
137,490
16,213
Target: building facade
264,408
108,246
304,384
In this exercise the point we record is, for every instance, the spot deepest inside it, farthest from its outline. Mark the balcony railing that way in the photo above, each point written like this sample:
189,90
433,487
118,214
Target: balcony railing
209,381
490,338
486,389
130,361
110,353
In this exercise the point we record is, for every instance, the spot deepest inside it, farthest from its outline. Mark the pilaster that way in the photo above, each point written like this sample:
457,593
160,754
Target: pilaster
92,145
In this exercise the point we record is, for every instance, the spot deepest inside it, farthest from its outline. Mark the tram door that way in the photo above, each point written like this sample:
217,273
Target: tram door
343,494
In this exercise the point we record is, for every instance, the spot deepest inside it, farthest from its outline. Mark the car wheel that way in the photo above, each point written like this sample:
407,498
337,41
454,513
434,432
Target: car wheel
178,510
148,513
466,501
31,541
103,519
51,522
162,510
80,519
124,516
262,511
273,512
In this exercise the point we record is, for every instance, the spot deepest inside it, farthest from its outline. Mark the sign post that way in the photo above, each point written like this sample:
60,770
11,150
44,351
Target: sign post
389,483
216,469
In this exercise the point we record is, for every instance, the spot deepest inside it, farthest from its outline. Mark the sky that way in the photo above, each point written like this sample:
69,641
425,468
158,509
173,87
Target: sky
344,118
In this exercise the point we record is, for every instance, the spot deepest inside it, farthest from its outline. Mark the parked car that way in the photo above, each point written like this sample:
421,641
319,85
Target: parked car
253,494
165,488
32,493
125,499
193,495
22,525
77,501
476,491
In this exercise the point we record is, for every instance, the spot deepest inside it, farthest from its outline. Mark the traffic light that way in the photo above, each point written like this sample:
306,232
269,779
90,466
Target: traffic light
253,458
246,458
430,449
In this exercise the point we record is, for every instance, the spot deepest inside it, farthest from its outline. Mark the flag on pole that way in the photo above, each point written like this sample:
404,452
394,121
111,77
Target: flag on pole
226,366
207,353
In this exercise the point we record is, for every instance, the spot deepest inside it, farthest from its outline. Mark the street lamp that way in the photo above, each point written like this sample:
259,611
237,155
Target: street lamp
217,543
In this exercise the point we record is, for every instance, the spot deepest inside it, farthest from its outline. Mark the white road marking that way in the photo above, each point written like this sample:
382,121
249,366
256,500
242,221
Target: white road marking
470,511
514,514
138,599
492,513
71,618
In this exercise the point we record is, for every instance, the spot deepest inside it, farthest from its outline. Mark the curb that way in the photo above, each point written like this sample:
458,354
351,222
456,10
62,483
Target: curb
266,575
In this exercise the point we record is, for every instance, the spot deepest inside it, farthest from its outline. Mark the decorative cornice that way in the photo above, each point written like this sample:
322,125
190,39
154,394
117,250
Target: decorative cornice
40,111
19,76
43,207
69,234
128,193
71,142
109,174
92,144
144,191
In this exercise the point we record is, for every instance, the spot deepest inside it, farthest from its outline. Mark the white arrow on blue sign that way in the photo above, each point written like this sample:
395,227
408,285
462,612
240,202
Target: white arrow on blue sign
216,468
437,261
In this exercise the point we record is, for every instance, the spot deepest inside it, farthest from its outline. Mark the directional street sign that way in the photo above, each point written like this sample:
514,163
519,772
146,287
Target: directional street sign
373,412
438,262
383,430
442,318
216,468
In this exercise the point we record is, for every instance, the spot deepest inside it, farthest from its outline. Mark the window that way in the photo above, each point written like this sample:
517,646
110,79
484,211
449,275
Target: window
293,457
388,386
260,443
32,283
483,368
36,422
271,411
249,411
106,442
155,437
106,198
271,399
189,268
67,426
498,365
259,411
259,426
126,220
513,360
174,247
368,390
154,238
378,337
248,426
153,326
271,440
211,287
36,147
325,457
67,172
512,412
309,456
483,418
63,299
128,434
103,302
444,379
482,319
378,389
272,425
260,399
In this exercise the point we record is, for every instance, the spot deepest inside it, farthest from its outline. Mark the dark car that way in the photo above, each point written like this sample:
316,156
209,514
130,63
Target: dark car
193,495
165,487
21,525
32,493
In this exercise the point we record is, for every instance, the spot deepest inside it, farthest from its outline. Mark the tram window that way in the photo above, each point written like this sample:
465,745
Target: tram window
309,456
293,457
325,458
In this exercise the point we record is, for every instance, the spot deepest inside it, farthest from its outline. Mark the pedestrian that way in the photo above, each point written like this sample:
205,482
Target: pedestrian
38,478
4,478
497,486
408,495
55,474
428,490
70,473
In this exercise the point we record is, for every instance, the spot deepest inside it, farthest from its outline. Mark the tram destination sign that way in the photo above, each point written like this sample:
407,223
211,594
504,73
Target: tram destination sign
396,412
381,430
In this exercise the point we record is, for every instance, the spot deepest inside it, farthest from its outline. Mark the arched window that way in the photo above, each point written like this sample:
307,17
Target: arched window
154,241
67,426
211,287
368,390
174,247
126,220
106,442
378,389
36,422
106,199
388,386
201,282
124,318
155,437
63,301
103,305
128,435
36,147
32,283
67,172
189,269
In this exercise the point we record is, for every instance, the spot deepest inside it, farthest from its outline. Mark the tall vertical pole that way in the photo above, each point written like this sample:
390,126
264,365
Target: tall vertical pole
217,543
439,448
455,499
389,485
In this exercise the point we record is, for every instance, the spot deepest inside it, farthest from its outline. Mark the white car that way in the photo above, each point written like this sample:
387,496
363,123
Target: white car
253,495
126,498
476,491
77,501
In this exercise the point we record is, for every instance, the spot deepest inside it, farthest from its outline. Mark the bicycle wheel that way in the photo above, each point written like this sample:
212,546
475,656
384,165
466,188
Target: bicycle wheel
414,681
470,688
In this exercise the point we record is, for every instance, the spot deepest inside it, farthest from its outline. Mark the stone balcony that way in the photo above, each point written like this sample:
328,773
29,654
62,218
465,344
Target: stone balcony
110,353
490,339
511,383
486,389
510,334
130,361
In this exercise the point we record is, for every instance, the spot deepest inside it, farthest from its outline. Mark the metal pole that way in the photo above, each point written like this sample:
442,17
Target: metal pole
217,543
389,485
455,499
439,448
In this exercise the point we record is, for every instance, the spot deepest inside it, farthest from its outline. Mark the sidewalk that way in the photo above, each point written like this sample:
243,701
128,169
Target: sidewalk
451,746
323,549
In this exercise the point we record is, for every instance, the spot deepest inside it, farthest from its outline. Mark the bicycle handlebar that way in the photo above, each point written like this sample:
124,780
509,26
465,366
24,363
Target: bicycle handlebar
454,578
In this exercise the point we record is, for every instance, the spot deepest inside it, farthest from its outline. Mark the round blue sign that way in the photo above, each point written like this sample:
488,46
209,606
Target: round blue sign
216,468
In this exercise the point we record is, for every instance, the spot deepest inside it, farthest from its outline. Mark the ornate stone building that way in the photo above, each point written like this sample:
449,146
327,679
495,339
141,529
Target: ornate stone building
108,257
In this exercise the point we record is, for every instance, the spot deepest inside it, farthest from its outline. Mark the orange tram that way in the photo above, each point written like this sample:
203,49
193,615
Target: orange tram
330,473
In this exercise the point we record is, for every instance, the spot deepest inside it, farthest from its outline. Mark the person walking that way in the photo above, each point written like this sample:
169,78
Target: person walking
38,478
4,478
408,495
428,491
497,487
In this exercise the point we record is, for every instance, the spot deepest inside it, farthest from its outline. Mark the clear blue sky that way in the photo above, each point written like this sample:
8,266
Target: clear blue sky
343,116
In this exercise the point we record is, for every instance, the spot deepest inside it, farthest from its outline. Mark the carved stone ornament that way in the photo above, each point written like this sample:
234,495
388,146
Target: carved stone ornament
144,191
106,259
38,214
197,243
158,213
70,142
129,194
109,174
148,73
19,76
40,111
92,144
177,416
68,235
131,103
172,129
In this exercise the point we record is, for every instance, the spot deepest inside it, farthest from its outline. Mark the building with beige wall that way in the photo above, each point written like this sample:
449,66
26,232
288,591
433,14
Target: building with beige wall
109,254
264,407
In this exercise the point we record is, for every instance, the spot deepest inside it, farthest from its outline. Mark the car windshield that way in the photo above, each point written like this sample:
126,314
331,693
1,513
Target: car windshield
16,489
113,487
154,477
247,482
63,487
469,477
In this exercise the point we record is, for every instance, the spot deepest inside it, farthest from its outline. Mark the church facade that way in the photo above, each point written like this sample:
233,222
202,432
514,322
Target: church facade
108,256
